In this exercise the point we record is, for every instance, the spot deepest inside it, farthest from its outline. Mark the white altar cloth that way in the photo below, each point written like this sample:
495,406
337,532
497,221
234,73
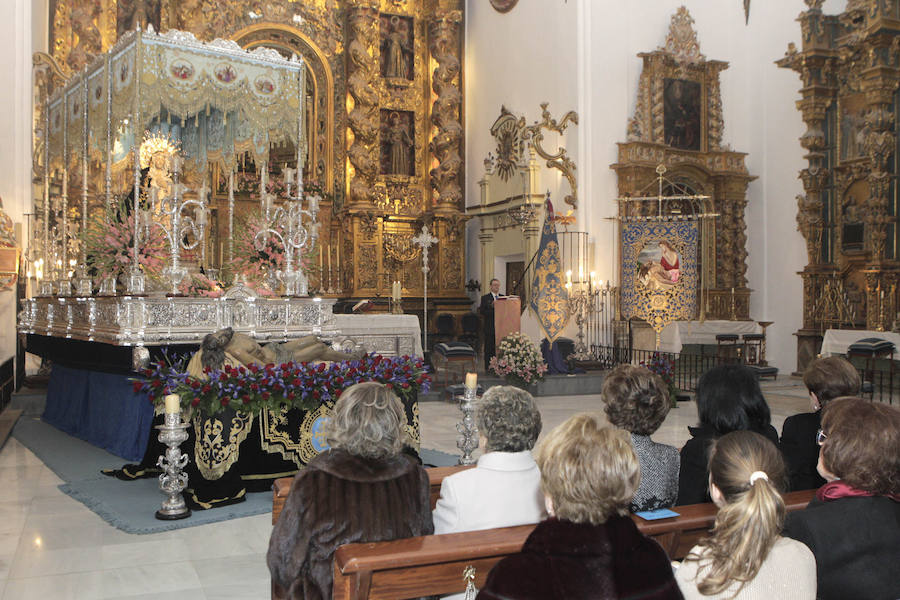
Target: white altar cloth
679,333
836,341
390,335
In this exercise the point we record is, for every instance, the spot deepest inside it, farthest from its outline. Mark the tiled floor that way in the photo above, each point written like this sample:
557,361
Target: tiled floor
53,547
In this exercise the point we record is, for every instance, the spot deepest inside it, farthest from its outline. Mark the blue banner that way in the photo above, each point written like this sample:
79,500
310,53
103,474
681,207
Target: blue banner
549,298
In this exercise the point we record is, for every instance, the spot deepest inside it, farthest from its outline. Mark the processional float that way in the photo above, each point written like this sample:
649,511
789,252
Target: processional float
137,132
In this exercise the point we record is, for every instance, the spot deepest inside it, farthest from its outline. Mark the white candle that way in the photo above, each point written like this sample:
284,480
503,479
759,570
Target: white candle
173,404
471,380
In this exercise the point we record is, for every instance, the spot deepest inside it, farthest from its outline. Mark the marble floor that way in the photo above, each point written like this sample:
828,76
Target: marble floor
51,546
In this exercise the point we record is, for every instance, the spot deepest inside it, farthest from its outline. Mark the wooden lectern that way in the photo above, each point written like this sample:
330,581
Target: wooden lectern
507,316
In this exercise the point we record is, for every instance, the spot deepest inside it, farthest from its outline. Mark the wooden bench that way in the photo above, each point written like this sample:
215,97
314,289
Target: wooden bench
434,564
282,487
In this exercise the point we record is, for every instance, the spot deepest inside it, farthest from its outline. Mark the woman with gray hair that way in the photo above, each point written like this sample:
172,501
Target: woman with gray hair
363,489
504,488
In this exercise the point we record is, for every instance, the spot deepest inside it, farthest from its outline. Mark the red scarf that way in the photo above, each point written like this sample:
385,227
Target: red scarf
838,489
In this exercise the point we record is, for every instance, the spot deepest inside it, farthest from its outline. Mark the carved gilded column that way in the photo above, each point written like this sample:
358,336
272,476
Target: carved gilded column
362,74
879,147
444,46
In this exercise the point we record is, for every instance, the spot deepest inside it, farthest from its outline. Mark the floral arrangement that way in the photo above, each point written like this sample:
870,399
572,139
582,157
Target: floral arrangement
109,243
663,366
518,360
254,265
198,284
296,385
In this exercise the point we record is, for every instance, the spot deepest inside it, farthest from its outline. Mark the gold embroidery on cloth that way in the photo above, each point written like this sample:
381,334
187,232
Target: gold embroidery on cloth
213,453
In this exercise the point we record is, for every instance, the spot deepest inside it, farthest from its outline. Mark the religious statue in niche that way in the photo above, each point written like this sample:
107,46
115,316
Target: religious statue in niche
396,47
658,266
131,13
681,114
397,146
853,128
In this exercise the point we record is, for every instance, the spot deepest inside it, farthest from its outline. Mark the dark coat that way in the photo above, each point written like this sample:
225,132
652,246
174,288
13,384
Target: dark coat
338,499
574,561
856,542
801,452
486,308
693,476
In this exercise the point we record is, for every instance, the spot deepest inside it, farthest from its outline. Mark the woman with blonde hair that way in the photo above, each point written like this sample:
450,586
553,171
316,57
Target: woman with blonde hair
746,557
363,489
589,548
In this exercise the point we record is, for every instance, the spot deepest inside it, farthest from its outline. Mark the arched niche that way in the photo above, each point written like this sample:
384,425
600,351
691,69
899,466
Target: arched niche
320,90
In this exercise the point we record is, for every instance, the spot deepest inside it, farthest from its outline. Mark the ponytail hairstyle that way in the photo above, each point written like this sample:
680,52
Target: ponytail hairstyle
749,471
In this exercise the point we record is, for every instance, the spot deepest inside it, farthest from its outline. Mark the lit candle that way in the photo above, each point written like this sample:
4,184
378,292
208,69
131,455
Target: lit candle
569,276
328,252
173,404
471,380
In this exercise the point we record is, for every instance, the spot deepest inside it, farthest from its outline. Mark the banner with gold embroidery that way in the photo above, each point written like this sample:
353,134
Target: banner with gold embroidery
659,271
549,298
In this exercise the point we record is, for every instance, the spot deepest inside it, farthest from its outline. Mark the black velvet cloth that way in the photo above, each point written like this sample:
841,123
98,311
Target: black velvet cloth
486,308
579,561
338,499
856,542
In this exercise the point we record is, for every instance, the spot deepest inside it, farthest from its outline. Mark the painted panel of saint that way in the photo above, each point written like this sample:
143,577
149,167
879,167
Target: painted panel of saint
682,111
397,145
396,47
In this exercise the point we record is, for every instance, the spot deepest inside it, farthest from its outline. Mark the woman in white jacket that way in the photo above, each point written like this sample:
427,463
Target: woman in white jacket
504,488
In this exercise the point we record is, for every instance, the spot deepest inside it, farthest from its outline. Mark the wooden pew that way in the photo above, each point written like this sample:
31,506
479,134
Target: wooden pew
282,487
434,564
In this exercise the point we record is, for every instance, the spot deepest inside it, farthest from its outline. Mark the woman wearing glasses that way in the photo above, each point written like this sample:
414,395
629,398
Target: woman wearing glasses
852,525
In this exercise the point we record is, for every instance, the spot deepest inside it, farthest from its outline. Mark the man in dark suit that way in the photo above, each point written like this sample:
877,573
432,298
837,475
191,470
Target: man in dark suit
487,311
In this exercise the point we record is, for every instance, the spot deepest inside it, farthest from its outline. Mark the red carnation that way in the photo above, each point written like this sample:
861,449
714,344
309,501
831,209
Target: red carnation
137,385
405,385
206,388
224,401
389,386
246,398
316,394
195,401
265,395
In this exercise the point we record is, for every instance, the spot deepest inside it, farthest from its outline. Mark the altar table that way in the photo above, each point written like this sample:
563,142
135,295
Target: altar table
679,333
836,341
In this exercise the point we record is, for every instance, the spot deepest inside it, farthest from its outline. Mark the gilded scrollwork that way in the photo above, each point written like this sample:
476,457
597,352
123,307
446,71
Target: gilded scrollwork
560,159
363,116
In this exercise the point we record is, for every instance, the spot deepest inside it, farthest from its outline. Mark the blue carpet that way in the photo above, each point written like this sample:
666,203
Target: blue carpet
131,505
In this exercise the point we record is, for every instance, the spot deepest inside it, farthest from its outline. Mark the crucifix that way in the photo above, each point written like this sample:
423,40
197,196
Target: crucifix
424,240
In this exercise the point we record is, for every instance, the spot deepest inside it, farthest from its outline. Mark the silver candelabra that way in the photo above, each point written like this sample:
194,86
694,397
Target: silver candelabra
173,479
286,225
182,230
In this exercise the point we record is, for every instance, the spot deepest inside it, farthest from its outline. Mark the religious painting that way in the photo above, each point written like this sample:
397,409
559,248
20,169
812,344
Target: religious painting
682,114
658,266
503,5
852,217
852,127
397,146
660,274
396,47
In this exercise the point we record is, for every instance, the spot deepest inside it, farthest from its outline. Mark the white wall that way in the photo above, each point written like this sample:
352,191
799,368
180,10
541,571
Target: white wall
582,55
15,133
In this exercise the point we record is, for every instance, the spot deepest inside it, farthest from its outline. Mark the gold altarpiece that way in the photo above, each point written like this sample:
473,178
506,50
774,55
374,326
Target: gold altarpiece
383,115
678,123
849,66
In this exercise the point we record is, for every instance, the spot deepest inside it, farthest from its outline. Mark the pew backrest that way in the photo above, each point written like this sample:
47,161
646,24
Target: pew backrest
281,488
434,564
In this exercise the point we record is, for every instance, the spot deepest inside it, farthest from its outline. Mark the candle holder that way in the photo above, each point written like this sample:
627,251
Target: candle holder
173,479
467,442
396,306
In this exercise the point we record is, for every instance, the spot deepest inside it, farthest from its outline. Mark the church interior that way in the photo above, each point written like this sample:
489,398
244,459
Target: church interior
662,182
